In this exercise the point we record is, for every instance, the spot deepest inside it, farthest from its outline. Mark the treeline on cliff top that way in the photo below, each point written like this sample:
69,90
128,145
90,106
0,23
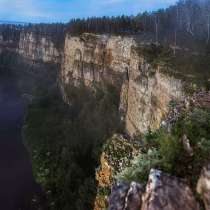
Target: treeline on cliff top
185,24
55,31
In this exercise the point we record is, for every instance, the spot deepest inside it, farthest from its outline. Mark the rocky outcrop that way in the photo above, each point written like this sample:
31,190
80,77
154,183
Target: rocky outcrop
203,186
148,96
145,91
37,47
163,192
126,196
92,58
117,154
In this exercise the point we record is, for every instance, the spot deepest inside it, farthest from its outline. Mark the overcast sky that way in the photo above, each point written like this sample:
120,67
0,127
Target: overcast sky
64,10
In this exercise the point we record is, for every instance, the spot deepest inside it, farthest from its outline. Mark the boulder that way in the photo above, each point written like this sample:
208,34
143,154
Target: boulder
126,196
186,145
165,192
203,186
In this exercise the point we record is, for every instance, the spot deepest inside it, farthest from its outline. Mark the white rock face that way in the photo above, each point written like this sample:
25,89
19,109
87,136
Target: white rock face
94,58
165,192
203,186
38,48
145,92
149,94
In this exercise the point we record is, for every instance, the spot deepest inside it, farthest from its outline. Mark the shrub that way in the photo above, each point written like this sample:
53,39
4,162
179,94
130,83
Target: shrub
164,150
140,167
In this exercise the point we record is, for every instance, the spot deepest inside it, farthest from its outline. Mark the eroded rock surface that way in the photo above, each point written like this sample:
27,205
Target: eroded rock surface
164,192
149,94
38,47
126,196
117,154
145,91
203,186
96,57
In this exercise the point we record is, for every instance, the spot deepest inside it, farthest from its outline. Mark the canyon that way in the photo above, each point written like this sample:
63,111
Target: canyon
146,92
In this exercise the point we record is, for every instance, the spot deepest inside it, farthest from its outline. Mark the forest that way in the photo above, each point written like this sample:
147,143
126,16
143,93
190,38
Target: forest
183,25
66,141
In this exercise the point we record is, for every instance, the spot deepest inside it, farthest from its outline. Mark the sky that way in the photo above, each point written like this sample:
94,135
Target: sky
64,10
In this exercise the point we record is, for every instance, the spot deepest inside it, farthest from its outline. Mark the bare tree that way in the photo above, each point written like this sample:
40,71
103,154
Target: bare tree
208,28
176,26
156,29
175,41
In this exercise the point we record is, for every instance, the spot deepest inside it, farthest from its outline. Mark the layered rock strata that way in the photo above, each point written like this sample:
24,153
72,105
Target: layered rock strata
163,192
145,91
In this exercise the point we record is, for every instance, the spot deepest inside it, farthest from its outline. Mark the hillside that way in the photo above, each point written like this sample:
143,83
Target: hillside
120,110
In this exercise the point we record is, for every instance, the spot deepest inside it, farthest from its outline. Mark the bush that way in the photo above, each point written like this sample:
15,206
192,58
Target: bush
140,167
164,150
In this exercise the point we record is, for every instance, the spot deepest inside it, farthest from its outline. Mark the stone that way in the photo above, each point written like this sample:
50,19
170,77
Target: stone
203,186
38,47
149,96
93,58
145,91
126,196
104,173
165,192
117,154
186,145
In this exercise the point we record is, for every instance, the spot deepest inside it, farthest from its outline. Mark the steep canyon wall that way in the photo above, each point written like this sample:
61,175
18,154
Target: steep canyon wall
145,91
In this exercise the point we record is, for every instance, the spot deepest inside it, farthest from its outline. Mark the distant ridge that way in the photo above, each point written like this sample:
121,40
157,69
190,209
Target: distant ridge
13,22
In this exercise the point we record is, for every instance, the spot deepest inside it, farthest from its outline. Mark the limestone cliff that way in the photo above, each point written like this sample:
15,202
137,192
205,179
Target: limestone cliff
148,94
145,91
38,47
94,58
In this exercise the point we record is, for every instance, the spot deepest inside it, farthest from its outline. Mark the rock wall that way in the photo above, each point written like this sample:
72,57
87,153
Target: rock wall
38,47
163,192
94,58
148,93
145,91
34,58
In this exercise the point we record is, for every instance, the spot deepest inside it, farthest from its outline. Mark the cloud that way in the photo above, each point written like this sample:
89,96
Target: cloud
63,10
110,2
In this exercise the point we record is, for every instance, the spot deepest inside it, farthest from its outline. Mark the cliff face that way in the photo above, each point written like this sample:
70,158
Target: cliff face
95,58
38,47
145,91
148,94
